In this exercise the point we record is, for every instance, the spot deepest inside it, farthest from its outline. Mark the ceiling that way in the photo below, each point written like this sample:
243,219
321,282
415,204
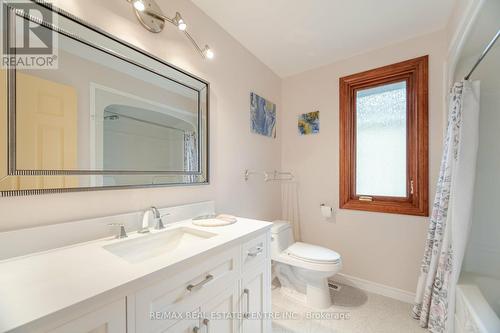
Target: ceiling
291,36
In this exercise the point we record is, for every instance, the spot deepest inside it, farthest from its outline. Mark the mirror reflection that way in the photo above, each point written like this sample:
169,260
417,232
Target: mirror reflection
106,115
98,112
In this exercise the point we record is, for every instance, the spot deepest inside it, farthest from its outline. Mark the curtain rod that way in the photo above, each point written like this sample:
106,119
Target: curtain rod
144,121
486,50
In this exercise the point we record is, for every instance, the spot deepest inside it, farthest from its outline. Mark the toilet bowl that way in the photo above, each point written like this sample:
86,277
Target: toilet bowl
301,267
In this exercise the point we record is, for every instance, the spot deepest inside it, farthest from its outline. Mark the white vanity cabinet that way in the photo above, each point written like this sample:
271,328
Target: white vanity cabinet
223,288
184,326
221,312
97,317
110,318
186,293
255,285
254,302
213,295
209,317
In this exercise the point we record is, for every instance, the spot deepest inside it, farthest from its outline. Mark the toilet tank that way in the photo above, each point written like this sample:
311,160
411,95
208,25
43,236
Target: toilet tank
281,237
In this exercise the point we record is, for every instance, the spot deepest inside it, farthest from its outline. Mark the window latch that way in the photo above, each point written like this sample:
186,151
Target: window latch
411,186
365,198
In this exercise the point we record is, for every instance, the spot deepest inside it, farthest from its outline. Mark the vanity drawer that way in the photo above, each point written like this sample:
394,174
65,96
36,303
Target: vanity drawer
184,291
254,251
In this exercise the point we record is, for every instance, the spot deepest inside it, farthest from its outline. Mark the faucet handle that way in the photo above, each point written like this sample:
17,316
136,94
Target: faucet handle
159,224
122,233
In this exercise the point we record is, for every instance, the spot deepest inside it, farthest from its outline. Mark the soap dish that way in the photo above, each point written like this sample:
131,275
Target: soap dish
214,220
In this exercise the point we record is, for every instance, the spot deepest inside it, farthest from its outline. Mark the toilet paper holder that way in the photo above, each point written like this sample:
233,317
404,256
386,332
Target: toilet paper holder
326,211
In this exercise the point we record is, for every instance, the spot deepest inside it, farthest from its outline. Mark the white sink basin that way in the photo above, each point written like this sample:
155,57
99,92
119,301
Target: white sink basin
169,241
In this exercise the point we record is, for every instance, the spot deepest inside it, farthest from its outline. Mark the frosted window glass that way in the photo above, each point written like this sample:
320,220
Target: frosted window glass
381,140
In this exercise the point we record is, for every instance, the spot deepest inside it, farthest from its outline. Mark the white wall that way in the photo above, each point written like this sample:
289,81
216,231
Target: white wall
233,74
457,30
382,248
483,252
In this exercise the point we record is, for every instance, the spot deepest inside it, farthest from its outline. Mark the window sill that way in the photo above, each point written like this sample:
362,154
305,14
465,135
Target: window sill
390,207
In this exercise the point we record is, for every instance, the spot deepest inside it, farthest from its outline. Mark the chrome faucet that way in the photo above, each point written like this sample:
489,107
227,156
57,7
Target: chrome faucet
145,223
157,217
159,223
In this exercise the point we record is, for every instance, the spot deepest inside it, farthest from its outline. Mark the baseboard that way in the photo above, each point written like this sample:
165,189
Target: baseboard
376,288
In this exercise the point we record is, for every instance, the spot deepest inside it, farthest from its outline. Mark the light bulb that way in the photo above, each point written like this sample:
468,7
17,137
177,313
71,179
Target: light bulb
139,5
208,53
179,22
181,25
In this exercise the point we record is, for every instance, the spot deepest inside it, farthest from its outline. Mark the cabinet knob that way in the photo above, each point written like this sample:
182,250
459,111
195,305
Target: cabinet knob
206,322
255,253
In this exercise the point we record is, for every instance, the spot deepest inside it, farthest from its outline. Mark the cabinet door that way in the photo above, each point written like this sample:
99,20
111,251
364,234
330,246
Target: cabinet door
108,319
208,278
185,326
254,301
221,312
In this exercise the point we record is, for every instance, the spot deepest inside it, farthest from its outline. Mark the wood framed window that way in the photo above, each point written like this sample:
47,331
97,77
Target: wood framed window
384,139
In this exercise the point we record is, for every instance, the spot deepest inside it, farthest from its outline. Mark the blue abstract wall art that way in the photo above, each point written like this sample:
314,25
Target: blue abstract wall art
263,116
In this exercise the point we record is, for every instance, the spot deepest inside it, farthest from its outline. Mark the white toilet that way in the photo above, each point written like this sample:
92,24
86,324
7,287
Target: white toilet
302,267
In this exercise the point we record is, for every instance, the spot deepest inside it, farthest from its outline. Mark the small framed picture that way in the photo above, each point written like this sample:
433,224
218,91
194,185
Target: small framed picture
308,123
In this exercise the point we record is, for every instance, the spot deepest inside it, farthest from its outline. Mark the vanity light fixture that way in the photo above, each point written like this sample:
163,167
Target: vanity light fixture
152,18
139,5
181,25
208,53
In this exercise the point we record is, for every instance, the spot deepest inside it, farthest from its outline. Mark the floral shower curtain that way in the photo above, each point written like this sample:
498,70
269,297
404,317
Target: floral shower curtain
190,155
451,213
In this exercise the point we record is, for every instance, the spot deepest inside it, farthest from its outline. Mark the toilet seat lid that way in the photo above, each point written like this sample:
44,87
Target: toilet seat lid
312,253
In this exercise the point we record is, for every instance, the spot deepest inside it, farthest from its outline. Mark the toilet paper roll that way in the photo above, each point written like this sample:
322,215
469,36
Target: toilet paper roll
326,211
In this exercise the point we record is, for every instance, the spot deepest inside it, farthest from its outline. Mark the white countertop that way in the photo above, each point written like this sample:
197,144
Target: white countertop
37,285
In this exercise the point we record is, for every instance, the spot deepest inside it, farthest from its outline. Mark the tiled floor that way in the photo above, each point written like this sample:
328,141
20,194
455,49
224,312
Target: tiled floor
353,311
